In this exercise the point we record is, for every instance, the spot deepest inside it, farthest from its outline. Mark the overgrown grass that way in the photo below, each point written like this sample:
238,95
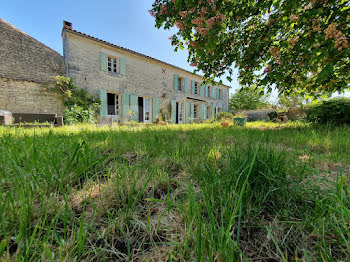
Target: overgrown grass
267,192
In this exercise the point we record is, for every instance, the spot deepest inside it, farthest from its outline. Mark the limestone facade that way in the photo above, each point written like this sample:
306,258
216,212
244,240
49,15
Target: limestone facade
91,62
26,68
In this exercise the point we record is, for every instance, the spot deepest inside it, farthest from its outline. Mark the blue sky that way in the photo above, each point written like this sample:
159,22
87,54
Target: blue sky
123,22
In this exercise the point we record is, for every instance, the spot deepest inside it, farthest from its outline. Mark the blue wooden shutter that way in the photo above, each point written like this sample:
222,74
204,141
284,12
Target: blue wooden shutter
173,111
213,92
134,107
176,82
122,66
201,90
192,85
125,106
155,108
187,112
103,61
186,85
205,111
217,93
223,94
206,91
103,98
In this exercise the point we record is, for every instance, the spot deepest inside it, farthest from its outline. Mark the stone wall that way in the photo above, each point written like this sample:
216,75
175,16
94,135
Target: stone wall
24,58
26,64
144,77
20,96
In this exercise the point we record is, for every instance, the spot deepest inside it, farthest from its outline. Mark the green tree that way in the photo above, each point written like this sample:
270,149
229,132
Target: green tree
248,99
294,45
288,101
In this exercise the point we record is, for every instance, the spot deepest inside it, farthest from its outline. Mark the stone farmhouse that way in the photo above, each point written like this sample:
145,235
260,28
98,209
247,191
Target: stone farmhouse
131,86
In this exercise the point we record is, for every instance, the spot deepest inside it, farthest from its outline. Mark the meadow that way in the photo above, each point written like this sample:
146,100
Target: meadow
199,192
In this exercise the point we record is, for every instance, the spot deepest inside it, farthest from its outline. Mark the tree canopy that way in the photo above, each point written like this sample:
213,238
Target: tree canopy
291,100
294,45
248,99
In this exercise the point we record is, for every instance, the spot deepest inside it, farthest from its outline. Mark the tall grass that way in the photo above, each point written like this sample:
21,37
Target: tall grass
175,193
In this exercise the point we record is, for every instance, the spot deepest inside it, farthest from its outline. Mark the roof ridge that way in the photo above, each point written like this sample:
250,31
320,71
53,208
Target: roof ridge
131,51
20,31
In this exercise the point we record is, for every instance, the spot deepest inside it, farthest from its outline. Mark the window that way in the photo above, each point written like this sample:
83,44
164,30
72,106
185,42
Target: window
209,91
113,65
195,111
221,94
180,112
113,104
208,112
146,110
196,88
180,83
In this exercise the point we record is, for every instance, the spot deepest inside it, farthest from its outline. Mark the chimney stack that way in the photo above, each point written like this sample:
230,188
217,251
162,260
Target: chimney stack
67,25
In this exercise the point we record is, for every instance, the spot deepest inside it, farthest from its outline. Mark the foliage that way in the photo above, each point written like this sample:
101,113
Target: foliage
222,116
240,115
77,114
248,99
296,46
80,105
333,111
175,193
288,101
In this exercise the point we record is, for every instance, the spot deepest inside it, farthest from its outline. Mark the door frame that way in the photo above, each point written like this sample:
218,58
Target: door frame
180,105
116,117
149,110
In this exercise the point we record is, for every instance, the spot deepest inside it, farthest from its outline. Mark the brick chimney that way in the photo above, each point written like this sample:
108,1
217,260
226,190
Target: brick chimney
67,25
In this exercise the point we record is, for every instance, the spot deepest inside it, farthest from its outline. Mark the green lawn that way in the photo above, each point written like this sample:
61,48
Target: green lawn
266,192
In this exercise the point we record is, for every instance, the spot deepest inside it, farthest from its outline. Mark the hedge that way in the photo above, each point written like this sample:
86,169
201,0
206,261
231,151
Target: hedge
334,111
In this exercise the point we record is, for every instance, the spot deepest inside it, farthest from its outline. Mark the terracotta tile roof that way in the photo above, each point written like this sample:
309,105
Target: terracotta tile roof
32,38
128,50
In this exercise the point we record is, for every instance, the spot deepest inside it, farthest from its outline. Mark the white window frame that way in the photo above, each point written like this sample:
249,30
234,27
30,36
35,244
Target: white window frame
181,83
113,65
145,116
196,88
195,111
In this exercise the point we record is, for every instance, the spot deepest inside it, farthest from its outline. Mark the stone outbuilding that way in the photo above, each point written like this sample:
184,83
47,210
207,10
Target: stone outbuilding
27,69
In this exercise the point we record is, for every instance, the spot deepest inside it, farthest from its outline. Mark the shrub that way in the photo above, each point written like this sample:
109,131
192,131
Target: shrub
335,111
77,114
224,116
81,107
